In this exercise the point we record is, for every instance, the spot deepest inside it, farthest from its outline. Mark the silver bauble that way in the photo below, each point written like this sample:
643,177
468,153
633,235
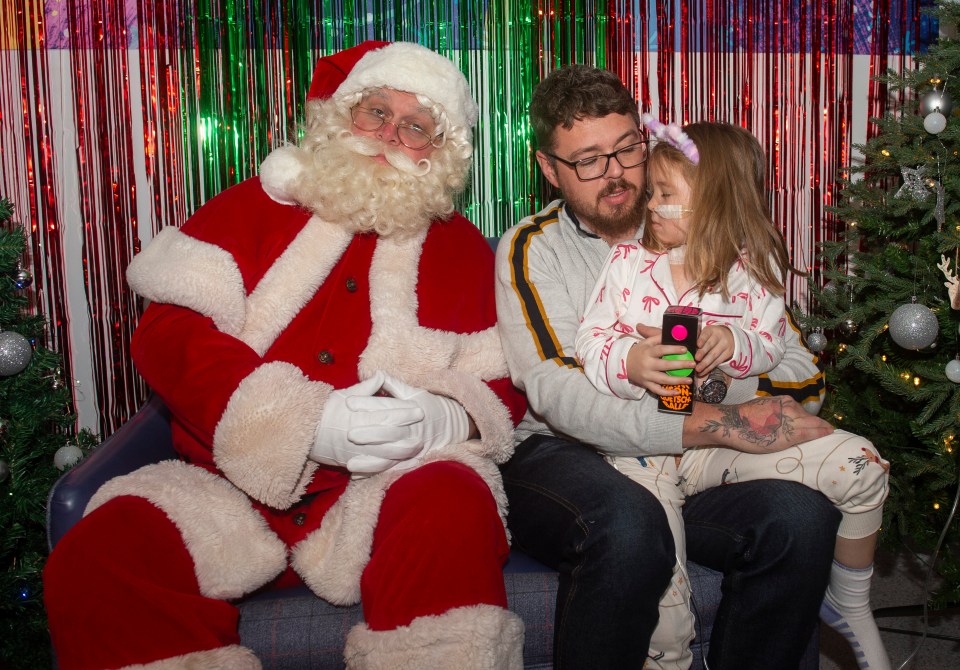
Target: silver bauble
913,326
15,353
936,101
953,371
67,456
816,341
23,279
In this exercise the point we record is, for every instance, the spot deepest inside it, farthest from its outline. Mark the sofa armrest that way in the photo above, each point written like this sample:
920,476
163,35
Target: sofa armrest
142,440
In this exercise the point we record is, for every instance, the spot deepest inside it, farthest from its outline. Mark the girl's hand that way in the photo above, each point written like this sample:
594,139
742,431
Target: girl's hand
647,368
714,346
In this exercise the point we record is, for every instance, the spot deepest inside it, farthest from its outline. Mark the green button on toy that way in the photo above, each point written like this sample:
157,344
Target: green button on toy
685,372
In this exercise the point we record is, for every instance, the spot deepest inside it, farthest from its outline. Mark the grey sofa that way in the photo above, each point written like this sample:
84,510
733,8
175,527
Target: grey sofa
292,628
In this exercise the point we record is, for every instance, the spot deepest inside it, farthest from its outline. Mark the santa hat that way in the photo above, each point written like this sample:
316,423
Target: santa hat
332,70
403,66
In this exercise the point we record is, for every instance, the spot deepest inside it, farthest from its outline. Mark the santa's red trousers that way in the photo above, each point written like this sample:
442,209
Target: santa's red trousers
120,587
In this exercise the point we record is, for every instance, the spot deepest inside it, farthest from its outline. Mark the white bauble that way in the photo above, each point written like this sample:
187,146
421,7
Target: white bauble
953,371
15,353
934,123
936,101
67,456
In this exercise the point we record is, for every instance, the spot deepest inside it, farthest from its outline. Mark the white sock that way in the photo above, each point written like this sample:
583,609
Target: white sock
846,609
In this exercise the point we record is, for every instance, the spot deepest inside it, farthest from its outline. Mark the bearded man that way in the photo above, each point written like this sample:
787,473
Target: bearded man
324,336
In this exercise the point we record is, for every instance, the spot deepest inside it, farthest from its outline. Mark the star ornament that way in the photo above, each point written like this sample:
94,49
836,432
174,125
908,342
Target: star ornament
914,184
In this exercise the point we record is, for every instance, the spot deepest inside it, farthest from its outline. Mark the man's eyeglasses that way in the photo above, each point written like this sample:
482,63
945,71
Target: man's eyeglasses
410,135
594,167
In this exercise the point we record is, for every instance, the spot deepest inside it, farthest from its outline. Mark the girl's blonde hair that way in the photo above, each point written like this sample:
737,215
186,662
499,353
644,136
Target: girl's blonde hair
730,212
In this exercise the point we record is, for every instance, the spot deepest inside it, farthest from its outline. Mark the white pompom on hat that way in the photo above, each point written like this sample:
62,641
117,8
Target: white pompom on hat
409,67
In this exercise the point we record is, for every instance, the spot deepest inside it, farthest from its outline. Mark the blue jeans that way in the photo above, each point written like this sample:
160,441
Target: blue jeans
574,512
608,538
774,542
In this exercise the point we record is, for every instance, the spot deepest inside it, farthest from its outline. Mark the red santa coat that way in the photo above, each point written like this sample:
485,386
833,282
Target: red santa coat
264,310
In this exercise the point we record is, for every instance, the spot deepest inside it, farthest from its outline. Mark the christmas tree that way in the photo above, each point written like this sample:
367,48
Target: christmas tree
37,440
883,319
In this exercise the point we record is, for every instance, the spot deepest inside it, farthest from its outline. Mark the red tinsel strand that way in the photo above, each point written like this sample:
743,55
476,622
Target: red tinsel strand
108,200
44,247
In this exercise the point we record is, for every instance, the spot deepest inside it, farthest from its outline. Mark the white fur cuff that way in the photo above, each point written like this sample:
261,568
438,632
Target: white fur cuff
265,434
479,637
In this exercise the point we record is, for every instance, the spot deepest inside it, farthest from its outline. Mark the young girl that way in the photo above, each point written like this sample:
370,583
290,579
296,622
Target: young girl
708,242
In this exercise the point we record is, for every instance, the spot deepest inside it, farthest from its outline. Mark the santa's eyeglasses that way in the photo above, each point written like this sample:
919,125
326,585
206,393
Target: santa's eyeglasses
411,135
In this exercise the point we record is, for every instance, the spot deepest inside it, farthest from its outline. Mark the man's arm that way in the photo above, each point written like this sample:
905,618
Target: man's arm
538,320
760,426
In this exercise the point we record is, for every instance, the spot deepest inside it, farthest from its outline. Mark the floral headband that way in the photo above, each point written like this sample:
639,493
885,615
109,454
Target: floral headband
673,135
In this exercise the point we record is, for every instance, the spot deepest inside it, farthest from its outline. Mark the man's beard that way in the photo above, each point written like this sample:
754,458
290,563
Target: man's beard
617,224
344,184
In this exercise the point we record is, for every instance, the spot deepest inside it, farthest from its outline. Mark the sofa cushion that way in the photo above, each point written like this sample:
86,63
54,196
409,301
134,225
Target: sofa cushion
293,629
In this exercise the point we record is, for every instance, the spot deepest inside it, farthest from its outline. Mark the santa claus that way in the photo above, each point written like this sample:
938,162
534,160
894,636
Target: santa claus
324,336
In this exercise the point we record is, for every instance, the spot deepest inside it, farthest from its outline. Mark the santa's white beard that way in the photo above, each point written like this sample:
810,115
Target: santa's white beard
344,184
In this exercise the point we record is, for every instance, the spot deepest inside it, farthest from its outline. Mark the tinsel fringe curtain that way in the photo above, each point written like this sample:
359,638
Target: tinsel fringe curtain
118,117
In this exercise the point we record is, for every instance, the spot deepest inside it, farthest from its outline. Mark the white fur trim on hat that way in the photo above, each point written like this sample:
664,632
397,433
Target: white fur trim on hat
409,67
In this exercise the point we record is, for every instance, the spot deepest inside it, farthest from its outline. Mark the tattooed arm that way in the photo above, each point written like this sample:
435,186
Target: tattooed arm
760,426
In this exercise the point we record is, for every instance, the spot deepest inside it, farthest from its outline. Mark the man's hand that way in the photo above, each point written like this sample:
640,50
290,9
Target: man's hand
760,426
646,366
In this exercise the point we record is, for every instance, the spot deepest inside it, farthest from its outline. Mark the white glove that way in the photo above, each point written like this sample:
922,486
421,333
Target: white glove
354,431
444,420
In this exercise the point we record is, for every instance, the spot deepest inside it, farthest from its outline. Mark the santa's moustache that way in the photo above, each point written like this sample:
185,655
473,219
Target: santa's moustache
344,184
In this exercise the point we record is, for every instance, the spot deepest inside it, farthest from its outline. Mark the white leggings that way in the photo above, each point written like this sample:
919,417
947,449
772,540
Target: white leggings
844,467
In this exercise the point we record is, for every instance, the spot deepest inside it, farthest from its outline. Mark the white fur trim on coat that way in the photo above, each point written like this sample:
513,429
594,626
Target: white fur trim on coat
292,281
332,558
443,362
398,343
262,442
233,657
478,637
181,270
234,551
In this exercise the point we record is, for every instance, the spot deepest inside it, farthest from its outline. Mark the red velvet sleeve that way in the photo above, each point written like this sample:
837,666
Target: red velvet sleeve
190,363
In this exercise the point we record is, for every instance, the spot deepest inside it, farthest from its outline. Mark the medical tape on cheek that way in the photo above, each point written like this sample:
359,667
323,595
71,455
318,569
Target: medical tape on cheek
671,211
